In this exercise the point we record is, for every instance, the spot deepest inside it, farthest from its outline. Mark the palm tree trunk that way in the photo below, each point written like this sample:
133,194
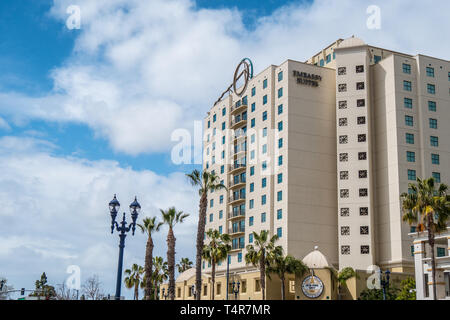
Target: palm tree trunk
283,293
262,279
148,268
433,259
136,289
200,236
171,262
213,277
155,294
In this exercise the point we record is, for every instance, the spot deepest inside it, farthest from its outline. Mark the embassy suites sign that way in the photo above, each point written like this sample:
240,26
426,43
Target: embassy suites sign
306,78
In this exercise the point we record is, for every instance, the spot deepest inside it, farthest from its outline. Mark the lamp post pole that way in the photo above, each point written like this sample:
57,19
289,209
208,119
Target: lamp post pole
114,207
165,295
236,289
228,273
384,281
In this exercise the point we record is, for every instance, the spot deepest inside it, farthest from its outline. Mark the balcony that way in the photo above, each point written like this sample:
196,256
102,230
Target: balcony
237,122
236,215
236,199
237,167
237,150
239,183
237,231
238,108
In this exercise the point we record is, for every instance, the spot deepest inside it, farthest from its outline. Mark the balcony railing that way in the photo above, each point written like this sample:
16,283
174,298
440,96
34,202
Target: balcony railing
237,230
238,121
237,198
239,213
237,166
237,182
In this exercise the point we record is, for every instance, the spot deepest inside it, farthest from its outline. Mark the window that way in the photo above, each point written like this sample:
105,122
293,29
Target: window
264,165
321,63
222,169
280,143
364,249
433,123
345,249
263,182
250,221
253,91
264,83
343,175
253,107
342,71
263,199
360,69
280,160
224,111
280,178
279,195
362,174
239,257
343,157
280,126
265,99
436,176
250,238
361,138
430,72
432,106
431,88
410,156
363,192
343,122
363,211
263,217
252,123
344,193
214,118
252,171
264,116
407,85
279,232
221,199
220,229
406,68
345,212
280,92
264,148
257,285
434,141
211,203
245,101
361,120
376,59
220,214
328,57
252,187
410,138
434,158
211,217
361,102
343,139
343,104
345,231
408,103
360,86
409,121
251,203
218,288
411,175
364,230
280,109
280,76
342,87
440,252
279,214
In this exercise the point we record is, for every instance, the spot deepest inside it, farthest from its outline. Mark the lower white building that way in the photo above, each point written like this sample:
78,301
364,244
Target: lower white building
422,258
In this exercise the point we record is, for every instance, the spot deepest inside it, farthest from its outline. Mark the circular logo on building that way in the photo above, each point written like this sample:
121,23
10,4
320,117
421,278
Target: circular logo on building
312,287
245,70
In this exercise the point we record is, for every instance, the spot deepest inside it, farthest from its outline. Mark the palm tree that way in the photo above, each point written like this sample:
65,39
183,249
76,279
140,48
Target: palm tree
263,252
206,182
282,265
184,264
160,274
171,217
342,277
133,279
214,252
428,207
149,226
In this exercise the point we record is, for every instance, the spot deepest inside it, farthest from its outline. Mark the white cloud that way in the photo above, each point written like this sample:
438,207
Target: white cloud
140,69
4,125
55,212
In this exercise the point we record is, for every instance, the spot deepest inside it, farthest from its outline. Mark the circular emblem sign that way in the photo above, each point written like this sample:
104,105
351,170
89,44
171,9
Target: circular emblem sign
244,69
312,287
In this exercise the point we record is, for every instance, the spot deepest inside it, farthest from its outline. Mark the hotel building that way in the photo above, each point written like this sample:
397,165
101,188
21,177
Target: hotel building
318,153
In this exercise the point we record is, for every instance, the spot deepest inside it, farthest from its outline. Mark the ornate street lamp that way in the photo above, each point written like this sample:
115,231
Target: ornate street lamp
235,289
164,294
194,292
114,207
384,281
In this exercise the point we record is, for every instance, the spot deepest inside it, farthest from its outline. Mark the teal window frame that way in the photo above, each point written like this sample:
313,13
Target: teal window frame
280,178
430,72
280,92
431,88
412,175
409,138
263,182
434,141
253,91
433,123
436,176
263,199
406,68
435,158
409,121
253,107
280,76
263,217
432,106
279,232
407,85
280,109
408,103
250,221
410,156
279,214
265,99
279,195
264,83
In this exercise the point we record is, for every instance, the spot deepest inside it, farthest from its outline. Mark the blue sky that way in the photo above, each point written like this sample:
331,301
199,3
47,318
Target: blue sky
88,113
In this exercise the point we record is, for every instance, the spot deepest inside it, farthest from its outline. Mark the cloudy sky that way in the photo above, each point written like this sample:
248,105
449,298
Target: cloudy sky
86,113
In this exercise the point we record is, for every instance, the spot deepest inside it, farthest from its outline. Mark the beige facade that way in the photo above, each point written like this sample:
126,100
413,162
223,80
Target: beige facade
320,154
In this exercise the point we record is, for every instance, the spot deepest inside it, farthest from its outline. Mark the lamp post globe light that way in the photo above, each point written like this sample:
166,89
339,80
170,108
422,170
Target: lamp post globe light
122,229
235,289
